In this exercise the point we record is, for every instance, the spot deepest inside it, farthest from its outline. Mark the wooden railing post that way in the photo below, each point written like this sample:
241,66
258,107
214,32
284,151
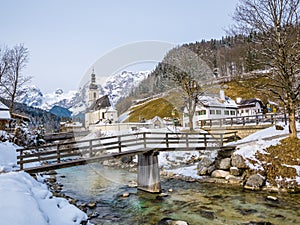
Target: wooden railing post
272,119
58,154
221,139
145,141
167,140
205,140
90,148
21,160
256,118
119,144
187,140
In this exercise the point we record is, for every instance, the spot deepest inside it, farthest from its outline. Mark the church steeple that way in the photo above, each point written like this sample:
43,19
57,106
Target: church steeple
93,84
93,90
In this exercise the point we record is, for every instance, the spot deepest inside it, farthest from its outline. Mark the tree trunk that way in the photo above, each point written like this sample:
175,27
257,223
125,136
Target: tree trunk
191,125
191,110
292,120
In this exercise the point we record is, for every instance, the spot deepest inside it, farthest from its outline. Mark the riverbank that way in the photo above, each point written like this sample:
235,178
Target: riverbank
25,200
118,201
254,158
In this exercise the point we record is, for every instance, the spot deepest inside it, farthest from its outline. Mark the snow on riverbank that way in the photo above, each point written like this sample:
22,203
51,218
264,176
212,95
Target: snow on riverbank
27,201
258,143
8,156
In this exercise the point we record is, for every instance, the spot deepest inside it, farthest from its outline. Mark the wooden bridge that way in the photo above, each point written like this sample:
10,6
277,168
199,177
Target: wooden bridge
253,120
146,145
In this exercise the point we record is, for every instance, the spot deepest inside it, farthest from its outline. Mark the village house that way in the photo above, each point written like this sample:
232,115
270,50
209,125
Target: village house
5,116
99,109
212,107
250,107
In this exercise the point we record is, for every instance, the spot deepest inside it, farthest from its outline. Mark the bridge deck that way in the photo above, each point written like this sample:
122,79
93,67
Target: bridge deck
69,154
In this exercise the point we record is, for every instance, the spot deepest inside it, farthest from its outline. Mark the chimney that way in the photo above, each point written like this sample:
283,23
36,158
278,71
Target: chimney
222,95
238,100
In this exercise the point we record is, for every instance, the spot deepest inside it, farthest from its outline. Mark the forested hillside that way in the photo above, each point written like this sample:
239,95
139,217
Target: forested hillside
230,57
37,116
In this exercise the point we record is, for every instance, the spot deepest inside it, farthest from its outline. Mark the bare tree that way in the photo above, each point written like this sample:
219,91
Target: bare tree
13,82
4,61
190,73
277,25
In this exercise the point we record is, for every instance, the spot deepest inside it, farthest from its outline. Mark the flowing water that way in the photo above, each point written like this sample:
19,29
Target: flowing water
195,203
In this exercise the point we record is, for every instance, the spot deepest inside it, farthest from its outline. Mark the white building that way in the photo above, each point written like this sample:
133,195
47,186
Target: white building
100,109
250,107
212,107
5,116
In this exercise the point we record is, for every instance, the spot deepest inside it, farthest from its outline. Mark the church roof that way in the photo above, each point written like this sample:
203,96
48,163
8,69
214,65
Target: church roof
101,103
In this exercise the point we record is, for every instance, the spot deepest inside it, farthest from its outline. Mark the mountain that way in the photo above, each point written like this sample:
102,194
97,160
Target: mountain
116,87
60,111
121,84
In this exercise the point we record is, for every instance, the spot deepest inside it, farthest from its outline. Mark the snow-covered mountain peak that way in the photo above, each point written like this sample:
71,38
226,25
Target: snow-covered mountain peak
121,84
117,86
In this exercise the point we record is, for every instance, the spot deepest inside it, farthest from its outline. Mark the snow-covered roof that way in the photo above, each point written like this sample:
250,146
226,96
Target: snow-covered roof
210,101
4,112
250,102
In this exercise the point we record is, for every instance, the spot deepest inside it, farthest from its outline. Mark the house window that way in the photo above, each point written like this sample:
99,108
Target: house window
226,112
103,115
247,111
218,112
212,112
201,112
232,113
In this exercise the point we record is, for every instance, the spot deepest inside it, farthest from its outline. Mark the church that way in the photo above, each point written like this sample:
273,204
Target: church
100,110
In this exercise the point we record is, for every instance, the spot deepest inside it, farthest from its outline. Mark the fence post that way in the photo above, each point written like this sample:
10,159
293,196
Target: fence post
119,144
144,137
205,140
221,139
90,148
243,121
21,160
167,140
272,119
187,140
58,154
256,117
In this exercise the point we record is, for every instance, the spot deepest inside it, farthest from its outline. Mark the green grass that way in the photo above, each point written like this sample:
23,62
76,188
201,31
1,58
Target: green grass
158,107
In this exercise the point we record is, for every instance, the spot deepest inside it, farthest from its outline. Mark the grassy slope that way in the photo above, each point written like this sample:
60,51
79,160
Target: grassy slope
287,153
246,90
161,107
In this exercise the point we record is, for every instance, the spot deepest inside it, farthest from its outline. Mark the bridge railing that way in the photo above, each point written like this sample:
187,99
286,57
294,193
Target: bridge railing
57,153
244,120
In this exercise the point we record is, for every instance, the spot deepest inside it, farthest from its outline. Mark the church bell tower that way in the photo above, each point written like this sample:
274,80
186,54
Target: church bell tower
93,93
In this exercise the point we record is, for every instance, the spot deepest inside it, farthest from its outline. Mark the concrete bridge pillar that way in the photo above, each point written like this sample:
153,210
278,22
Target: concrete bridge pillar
148,178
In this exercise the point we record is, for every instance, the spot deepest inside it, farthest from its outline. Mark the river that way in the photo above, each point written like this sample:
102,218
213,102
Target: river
196,203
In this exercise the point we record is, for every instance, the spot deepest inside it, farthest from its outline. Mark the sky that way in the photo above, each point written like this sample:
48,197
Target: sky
66,38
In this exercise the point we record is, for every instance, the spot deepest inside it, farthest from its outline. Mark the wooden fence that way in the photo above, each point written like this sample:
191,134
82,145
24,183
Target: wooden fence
120,145
244,120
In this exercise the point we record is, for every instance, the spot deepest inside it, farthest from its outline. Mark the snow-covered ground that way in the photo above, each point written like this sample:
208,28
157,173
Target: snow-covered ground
25,200
246,147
